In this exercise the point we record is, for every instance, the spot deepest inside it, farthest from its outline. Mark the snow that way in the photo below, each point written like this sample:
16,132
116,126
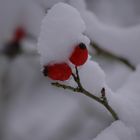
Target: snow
57,41
126,101
117,131
78,4
36,110
36,13
9,18
119,40
18,13
112,12
39,111
95,81
47,4
33,110
116,74
131,104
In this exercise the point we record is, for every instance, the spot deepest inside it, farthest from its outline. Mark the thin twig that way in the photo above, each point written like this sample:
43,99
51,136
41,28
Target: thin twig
107,53
80,89
65,87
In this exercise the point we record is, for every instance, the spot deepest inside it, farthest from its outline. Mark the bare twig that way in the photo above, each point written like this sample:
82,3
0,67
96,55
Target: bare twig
65,87
107,53
80,89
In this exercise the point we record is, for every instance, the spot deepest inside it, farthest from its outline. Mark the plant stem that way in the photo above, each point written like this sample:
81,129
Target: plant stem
80,89
107,53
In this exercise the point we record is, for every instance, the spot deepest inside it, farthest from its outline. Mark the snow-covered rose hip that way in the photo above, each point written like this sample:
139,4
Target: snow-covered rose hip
79,55
58,71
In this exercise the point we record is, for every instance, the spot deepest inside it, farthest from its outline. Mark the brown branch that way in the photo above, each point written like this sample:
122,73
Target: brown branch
80,89
107,53
65,87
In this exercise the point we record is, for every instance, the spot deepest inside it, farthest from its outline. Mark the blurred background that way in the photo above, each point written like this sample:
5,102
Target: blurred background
29,108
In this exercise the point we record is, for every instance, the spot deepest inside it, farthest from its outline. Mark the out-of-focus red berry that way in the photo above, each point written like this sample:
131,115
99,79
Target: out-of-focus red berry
19,34
60,71
79,55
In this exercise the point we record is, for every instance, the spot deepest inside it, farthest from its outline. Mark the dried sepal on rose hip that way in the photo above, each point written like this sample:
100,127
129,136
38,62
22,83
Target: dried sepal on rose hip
79,55
58,71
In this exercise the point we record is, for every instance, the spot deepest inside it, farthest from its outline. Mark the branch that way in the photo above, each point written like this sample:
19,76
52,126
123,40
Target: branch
107,53
56,84
80,89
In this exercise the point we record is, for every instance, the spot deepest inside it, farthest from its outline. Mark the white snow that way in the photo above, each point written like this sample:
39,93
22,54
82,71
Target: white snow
129,94
112,12
14,13
116,73
47,4
119,40
32,17
10,12
37,111
117,131
94,81
78,4
61,30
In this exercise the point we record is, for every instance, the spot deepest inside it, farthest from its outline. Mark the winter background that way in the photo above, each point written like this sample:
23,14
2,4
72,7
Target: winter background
31,109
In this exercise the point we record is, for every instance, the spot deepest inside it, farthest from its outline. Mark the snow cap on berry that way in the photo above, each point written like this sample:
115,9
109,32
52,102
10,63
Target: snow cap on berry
62,29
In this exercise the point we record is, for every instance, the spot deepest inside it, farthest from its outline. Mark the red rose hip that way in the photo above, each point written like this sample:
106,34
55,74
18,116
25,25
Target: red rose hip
59,71
79,55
